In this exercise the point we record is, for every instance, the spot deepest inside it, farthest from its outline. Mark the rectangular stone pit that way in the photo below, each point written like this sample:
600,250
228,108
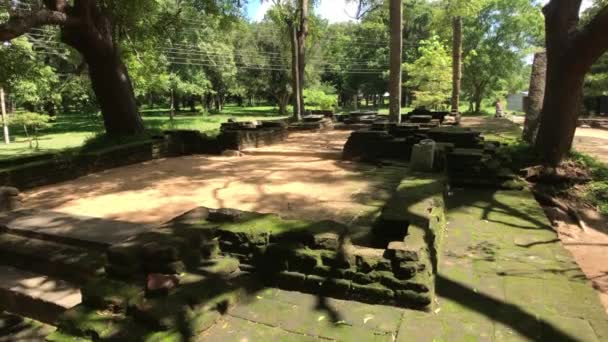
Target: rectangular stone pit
320,258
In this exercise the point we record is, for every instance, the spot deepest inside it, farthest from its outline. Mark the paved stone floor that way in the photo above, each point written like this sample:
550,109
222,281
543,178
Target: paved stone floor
503,276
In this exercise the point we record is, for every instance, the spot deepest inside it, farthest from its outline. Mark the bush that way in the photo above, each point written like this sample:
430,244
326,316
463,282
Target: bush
31,123
318,98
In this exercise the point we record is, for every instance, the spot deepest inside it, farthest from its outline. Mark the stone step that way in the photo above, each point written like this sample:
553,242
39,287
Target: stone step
36,296
79,231
17,328
75,264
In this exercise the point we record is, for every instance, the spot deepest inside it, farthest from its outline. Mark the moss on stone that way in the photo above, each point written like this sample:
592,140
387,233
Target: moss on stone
290,280
374,293
106,293
220,266
94,324
409,298
60,336
164,336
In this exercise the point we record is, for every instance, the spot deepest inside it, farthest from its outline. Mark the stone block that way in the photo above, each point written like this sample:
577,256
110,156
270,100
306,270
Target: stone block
313,283
110,294
372,293
219,267
400,251
336,260
175,267
413,299
159,252
125,254
303,260
404,269
338,288
367,259
293,281
330,241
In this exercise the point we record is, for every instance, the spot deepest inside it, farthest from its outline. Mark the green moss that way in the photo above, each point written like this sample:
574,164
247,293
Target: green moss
221,266
164,336
107,293
95,324
59,336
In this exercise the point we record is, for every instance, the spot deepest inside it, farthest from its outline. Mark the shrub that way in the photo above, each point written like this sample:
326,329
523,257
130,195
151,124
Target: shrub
31,123
318,98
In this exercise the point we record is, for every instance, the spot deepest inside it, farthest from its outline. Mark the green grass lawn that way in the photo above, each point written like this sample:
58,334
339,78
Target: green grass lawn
70,131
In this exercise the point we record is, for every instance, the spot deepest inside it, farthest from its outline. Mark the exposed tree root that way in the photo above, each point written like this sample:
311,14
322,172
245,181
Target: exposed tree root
549,200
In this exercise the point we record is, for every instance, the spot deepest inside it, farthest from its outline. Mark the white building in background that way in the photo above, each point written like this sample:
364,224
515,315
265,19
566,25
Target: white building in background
517,102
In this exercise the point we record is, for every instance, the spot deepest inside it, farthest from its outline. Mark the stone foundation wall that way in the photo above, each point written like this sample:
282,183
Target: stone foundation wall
318,258
242,139
34,171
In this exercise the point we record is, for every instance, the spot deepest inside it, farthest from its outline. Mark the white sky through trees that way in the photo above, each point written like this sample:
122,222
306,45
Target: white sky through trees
332,10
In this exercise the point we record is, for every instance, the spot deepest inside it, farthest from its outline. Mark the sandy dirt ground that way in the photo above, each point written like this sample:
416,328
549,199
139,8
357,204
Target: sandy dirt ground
589,246
588,140
302,178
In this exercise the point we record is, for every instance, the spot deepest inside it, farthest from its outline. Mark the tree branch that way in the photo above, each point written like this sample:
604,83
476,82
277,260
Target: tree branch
590,43
17,26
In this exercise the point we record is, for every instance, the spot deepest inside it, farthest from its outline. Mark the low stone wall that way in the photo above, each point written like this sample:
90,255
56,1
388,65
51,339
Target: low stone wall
240,136
39,170
392,141
63,167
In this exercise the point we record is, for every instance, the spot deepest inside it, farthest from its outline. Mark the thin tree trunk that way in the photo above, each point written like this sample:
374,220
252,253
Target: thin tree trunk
7,139
172,110
396,47
295,75
302,34
456,63
536,96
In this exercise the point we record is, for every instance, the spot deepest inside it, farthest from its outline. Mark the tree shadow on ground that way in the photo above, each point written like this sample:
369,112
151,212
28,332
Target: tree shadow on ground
509,314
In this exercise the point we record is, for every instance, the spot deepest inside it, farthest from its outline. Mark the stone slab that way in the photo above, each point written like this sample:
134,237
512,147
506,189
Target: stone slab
60,227
35,295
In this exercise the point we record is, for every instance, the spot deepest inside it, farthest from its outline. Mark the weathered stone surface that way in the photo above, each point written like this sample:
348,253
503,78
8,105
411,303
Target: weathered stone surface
175,267
291,280
404,269
160,252
367,259
126,254
336,287
313,283
412,298
337,260
219,267
225,215
330,241
107,293
375,293
399,251
304,260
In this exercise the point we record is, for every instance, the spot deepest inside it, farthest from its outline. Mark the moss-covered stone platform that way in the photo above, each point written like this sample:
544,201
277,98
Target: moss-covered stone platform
503,276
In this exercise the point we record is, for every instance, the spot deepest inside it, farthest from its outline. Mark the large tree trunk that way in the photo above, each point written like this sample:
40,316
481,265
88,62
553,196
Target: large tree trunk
302,34
536,96
456,63
570,53
396,47
87,29
295,75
